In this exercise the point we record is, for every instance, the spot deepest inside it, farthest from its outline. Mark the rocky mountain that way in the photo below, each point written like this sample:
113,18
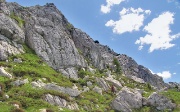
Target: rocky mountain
49,65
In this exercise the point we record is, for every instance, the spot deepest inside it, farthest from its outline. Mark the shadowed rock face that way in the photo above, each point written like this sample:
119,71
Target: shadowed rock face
56,41
131,68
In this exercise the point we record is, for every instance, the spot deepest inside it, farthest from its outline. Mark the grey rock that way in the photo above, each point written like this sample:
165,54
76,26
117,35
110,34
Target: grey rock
52,86
131,68
108,73
47,35
89,83
4,73
114,82
85,89
97,54
174,85
55,100
160,102
91,70
18,60
102,83
20,82
97,89
137,79
126,100
73,106
70,72
8,49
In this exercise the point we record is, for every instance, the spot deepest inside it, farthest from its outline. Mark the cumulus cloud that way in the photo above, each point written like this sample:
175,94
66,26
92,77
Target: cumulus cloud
109,3
130,20
165,74
158,30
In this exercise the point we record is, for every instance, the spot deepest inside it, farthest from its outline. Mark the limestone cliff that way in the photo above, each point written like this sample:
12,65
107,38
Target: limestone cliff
45,30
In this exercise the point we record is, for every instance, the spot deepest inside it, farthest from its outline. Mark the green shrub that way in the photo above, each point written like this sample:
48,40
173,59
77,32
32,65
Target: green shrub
118,67
20,21
17,110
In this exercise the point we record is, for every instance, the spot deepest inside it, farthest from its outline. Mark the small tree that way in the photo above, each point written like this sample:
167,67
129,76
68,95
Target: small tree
118,67
149,86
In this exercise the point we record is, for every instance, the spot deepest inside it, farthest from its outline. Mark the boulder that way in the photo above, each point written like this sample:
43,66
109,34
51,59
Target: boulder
97,89
160,102
114,82
20,82
55,100
18,60
4,73
89,83
127,99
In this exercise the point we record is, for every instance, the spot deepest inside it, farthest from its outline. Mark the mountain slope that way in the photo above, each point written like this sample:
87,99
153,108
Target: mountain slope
85,75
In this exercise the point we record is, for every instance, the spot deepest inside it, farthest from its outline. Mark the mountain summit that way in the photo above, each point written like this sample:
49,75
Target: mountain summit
49,65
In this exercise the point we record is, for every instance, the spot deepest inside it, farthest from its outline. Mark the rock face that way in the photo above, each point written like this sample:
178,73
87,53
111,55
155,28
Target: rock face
97,54
160,102
131,68
10,37
127,99
46,33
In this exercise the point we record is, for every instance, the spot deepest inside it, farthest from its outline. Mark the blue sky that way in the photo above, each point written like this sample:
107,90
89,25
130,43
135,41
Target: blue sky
146,30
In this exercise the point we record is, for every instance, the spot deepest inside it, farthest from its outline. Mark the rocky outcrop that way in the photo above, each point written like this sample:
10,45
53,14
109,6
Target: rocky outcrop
4,73
10,37
114,82
95,53
52,86
160,102
174,85
131,68
127,99
102,83
56,100
139,80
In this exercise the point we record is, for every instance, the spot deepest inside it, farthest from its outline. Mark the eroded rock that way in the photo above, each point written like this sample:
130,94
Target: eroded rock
127,99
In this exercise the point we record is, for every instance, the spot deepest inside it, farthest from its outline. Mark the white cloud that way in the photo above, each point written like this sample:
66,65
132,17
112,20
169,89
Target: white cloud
165,74
130,20
107,8
174,73
158,30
